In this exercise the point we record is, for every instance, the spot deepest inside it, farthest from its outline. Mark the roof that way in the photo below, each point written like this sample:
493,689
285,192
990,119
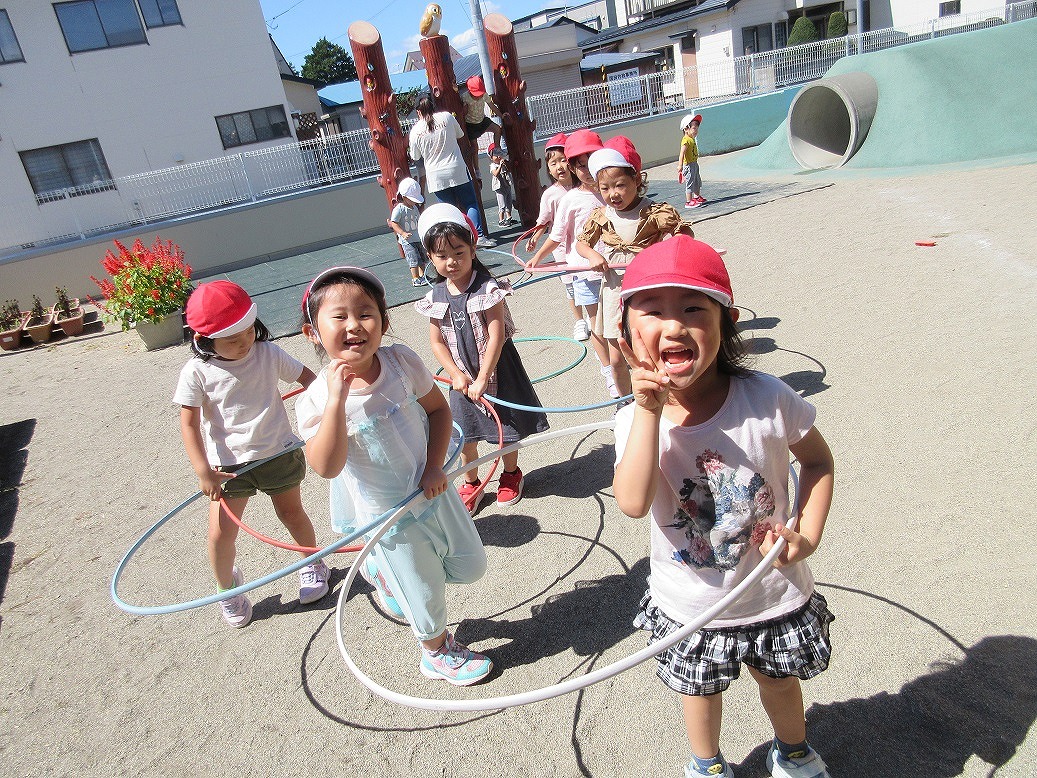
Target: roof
617,33
596,61
351,91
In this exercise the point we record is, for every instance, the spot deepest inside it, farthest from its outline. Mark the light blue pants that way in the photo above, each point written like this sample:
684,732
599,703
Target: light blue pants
423,557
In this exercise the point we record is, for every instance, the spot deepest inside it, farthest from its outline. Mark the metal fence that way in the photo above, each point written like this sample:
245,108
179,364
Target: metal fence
66,215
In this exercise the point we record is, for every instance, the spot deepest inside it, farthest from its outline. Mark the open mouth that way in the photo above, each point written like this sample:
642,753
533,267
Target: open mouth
677,360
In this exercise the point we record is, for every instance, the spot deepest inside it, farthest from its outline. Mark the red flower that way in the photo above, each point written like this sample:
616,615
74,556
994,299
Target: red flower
151,311
155,293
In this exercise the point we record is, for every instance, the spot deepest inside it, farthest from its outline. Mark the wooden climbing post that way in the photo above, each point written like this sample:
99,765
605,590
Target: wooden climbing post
510,97
388,142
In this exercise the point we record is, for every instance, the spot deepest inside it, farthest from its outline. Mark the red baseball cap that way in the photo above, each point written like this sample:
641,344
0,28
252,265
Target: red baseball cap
682,262
557,142
691,118
219,309
476,87
618,152
582,142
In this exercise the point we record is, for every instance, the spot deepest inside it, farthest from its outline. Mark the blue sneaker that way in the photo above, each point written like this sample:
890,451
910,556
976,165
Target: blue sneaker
370,573
801,764
455,663
691,771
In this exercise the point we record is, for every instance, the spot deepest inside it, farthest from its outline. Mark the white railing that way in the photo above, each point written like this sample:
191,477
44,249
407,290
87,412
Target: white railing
70,214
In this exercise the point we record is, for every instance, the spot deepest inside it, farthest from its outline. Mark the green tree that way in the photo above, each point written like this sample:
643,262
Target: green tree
837,27
329,63
803,31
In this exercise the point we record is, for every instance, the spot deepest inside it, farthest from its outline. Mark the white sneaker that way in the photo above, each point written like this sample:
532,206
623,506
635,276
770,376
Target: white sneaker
610,382
485,243
237,610
810,765
313,582
581,331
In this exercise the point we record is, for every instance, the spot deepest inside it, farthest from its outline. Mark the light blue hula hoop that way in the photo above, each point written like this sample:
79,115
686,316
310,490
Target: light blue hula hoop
331,548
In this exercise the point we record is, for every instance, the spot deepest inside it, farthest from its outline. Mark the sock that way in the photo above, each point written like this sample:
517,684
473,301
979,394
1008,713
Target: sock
792,751
715,766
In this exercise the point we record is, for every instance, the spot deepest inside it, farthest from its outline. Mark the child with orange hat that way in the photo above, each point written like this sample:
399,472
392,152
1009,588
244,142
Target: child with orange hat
231,414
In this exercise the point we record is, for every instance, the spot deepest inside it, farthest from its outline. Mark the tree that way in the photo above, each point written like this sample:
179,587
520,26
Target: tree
407,99
803,31
329,63
837,27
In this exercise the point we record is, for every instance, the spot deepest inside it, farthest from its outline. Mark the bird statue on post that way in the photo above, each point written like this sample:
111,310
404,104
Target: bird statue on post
430,20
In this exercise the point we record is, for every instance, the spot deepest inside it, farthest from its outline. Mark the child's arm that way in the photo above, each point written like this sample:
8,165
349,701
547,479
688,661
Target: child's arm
549,246
306,377
397,229
210,480
440,425
816,483
538,233
441,351
594,259
494,344
634,483
328,449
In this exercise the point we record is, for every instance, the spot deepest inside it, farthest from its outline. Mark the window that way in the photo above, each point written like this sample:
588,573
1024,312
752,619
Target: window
89,25
237,129
950,9
160,13
79,167
10,51
756,39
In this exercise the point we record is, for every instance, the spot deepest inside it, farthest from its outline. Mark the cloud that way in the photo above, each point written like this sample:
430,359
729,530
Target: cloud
464,41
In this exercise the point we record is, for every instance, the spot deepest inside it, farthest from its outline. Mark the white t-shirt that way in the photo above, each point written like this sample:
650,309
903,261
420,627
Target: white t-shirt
243,415
573,209
549,201
407,218
722,483
444,163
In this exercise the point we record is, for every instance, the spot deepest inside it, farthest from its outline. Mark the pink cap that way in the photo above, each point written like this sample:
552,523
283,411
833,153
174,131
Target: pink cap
582,142
682,262
476,87
220,309
557,142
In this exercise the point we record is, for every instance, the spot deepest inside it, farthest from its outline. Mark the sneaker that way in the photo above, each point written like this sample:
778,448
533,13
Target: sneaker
809,765
509,488
470,494
417,282
689,204
697,204
701,200
581,331
237,610
610,382
455,663
485,243
691,772
370,573
313,582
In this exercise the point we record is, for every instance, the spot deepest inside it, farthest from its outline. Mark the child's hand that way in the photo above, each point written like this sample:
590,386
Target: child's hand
460,383
476,389
531,244
650,384
798,547
210,483
405,234
598,263
340,378
433,481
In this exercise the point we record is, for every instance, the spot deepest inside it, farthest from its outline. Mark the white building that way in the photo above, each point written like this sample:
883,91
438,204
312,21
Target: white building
93,90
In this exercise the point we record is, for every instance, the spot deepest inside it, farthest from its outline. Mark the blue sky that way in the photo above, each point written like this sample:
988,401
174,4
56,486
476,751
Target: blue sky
297,24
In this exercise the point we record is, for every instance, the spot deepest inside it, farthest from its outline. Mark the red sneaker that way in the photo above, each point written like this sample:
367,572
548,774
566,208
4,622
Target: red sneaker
509,489
470,494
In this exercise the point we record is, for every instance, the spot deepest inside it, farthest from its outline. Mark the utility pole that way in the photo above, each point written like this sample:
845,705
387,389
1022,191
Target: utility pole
480,44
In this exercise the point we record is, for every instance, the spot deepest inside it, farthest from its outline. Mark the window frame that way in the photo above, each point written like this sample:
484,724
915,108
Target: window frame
105,33
238,117
72,189
949,8
6,18
158,9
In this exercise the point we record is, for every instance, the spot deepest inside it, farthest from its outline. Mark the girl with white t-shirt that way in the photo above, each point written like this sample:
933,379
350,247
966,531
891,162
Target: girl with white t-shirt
720,436
231,414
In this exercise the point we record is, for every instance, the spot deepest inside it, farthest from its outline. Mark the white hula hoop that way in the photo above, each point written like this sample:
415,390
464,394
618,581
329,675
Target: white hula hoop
573,684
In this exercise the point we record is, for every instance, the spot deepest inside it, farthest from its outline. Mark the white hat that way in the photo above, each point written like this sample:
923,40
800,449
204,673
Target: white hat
691,117
603,158
410,189
443,212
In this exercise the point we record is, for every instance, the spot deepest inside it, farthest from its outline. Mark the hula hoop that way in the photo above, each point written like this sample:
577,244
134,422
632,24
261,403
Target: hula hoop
154,610
538,338
574,684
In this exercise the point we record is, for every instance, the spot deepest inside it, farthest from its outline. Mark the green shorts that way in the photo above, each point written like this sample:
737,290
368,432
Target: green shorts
280,474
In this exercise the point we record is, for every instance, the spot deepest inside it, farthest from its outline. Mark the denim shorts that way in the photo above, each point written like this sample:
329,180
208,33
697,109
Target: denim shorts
585,290
415,254
707,661
279,475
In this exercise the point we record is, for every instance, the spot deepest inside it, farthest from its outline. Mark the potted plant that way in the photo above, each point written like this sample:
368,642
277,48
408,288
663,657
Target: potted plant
40,322
11,320
68,313
147,291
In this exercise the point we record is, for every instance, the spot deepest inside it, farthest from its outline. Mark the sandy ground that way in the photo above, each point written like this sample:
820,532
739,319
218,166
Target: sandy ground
920,361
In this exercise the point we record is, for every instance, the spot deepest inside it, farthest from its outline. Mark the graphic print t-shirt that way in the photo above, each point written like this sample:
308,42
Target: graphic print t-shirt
723,484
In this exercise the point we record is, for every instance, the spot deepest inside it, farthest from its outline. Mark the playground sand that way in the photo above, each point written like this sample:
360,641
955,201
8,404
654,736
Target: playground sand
920,362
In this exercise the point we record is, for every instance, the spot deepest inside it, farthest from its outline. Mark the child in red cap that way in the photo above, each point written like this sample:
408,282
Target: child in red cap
688,161
477,111
231,414
705,450
616,231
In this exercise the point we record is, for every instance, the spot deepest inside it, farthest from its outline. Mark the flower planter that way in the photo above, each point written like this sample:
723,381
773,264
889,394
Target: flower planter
73,325
11,339
169,331
39,327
